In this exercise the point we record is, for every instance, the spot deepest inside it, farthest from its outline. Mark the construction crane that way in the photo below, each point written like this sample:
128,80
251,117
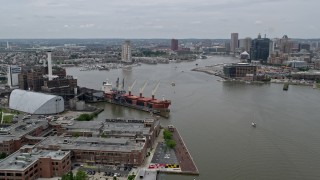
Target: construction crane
130,87
155,90
141,89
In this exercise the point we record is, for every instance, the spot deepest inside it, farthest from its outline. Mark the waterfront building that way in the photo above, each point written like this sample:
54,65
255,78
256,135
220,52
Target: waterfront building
32,163
240,70
99,150
227,46
22,133
174,45
126,52
117,128
296,64
38,103
260,49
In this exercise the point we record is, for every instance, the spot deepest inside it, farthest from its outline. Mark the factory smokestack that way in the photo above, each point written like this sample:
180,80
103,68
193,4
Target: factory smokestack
49,65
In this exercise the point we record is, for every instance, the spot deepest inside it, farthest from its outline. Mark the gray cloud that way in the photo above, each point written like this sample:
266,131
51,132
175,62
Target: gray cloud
158,18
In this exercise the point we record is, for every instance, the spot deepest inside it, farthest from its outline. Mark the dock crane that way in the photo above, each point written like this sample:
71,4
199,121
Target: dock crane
130,87
155,90
141,89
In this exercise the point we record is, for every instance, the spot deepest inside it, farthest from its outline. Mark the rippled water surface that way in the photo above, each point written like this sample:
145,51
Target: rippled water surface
215,118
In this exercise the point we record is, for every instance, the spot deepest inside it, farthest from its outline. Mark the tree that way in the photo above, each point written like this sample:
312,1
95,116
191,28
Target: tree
81,175
70,175
114,178
170,143
167,134
3,155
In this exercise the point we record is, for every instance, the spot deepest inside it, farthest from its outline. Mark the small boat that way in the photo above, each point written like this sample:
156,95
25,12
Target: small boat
253,124
286,86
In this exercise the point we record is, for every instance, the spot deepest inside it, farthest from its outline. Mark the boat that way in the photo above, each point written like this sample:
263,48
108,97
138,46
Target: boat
117,95
253,124
286,86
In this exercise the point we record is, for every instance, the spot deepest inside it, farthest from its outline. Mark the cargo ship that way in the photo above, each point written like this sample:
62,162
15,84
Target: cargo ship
117,95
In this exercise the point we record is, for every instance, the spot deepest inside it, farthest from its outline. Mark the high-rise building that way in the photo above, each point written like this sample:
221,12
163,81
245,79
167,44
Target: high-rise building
174,45
126,52
245,44
12,75
234,42
304,46
260,49
285,44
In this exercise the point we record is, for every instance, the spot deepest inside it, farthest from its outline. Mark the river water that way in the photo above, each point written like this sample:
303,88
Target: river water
214,119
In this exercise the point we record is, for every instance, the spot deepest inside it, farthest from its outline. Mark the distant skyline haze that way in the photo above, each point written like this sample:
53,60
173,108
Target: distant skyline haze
158,18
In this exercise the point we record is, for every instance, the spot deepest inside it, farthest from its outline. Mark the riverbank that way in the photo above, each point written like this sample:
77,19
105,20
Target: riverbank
213,70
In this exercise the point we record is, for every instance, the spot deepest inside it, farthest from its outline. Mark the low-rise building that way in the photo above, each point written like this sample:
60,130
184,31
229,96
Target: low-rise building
240,70
148,128
97,150
31,163
22,133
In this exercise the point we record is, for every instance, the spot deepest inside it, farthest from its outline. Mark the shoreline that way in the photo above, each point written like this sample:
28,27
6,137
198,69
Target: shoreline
216,73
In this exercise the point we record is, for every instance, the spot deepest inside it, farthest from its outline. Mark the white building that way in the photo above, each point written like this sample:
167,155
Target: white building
35,103
12,75
126,52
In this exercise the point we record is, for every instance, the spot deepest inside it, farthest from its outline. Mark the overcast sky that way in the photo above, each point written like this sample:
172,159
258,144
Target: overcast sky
210,19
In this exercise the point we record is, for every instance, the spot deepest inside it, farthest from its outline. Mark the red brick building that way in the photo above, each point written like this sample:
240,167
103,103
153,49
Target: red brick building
30,163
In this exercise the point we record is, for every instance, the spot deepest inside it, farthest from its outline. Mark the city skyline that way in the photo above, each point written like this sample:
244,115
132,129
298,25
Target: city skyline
143,19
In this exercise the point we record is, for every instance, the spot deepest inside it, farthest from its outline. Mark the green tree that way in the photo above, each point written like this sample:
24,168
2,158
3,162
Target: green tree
71,175
167,134
81,175
65,177
85,117
170,144
3,155
131,177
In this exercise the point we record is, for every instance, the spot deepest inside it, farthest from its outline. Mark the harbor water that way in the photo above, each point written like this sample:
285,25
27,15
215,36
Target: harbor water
214,119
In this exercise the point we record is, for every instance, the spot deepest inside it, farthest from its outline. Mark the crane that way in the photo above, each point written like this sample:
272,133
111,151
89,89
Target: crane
130,87
155,90
141,89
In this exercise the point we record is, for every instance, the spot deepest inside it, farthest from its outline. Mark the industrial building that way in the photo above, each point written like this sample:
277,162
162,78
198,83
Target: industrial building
38,103
51,80
31,163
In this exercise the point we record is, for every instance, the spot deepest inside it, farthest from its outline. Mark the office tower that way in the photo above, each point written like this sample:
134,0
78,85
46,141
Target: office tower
126,52
304,46
174,45
245,44
260,49
285,44
234,42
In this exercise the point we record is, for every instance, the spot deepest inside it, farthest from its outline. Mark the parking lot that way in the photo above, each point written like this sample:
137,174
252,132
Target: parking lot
164,155
106,172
